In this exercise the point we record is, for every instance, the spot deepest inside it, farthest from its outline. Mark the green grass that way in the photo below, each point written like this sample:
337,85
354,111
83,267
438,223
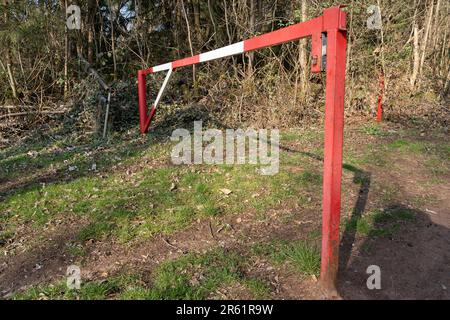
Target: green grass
302,256
401,145
75,250
59,156
438,168
156,197
194,276
119,286
6,235
379,223
257,287
129,207
297,135
372,129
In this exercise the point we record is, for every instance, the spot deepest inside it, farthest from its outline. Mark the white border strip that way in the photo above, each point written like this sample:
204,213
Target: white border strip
162,67
160,92
230,50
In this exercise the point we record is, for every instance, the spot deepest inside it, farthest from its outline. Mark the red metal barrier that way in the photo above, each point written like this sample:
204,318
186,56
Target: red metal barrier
332,163
330,30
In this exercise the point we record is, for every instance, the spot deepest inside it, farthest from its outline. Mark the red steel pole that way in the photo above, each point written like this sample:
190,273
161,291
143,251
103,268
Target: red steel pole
334,126
142,93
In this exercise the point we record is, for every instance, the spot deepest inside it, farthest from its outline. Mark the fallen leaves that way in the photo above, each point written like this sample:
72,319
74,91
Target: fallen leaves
32,154
225,191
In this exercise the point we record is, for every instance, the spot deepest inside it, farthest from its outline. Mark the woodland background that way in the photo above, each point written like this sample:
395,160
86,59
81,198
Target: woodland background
46,86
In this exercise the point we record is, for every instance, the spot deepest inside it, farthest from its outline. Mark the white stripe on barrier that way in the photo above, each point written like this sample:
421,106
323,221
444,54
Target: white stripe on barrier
161,90
230,50
162,67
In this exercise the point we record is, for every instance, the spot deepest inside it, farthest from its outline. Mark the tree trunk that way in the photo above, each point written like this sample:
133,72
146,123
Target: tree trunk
425,38
11,78
197,27
301,71
251,55
90,29
213,22
436,27
416,50
415,68
303,54
113,42
63,6
194,78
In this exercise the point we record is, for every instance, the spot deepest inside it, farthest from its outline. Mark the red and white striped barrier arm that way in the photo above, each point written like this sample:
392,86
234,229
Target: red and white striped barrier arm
329,29
332,18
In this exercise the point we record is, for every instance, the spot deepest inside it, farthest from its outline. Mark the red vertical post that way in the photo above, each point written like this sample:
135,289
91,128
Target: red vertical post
380,98
142,94
334,126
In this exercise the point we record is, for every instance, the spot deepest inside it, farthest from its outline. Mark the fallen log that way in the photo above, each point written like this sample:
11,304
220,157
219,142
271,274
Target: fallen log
25,113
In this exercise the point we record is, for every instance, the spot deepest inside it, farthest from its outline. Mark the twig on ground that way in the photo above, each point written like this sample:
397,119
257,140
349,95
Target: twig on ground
172,245
211,230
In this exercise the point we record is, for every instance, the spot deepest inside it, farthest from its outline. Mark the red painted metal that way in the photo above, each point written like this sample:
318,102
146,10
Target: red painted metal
186,61
380,98
333,23
294,32
316,52
142,93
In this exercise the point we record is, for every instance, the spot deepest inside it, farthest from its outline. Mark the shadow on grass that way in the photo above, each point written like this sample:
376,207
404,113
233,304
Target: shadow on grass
45,260
363,179
410,249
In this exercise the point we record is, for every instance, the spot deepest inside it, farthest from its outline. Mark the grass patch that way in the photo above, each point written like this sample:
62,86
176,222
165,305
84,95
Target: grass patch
194,276
308,179
400,145
60,291
379,223
76,250
438,168
372,129
302,256
129,207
